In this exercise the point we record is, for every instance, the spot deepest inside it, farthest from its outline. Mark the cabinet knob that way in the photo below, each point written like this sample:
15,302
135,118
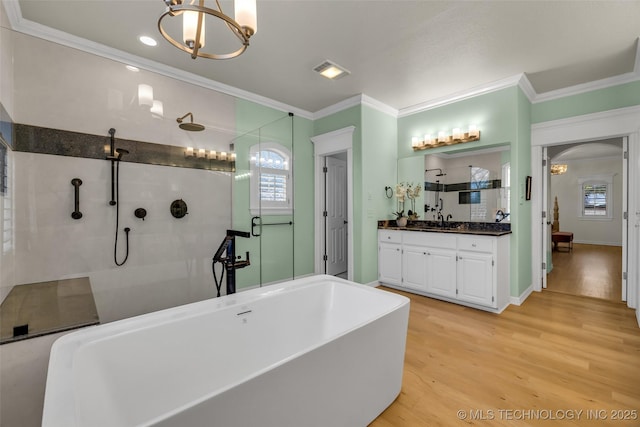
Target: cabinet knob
473,245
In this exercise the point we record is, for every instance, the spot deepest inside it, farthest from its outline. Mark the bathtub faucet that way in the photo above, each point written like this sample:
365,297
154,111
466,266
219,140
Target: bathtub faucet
230,262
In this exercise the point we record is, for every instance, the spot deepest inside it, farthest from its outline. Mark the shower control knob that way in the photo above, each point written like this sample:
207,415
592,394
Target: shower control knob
178,208
140,213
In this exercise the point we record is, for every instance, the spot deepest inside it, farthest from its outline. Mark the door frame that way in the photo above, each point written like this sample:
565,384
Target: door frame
324,145
608,124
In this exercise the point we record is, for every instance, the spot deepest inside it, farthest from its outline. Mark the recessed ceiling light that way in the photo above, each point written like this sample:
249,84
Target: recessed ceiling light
148,40
331,70
132,68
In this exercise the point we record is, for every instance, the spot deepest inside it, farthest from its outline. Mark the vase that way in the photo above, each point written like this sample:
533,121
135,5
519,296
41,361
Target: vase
401,222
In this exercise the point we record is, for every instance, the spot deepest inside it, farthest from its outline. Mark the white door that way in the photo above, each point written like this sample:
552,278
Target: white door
336,220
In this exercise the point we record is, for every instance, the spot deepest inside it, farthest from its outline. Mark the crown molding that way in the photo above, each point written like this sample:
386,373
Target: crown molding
462,95
380,106
337,107
527,88
587,87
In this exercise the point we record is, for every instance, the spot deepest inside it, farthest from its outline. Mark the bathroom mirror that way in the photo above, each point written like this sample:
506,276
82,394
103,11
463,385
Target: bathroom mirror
473,186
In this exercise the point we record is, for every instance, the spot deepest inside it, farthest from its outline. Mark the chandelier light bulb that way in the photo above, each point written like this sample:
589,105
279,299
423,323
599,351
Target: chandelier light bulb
190,28
246,14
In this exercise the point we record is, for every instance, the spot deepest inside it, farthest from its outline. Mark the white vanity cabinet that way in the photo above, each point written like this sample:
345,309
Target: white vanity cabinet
390,257
466,269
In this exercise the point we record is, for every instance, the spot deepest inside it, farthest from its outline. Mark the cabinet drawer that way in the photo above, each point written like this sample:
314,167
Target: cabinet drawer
390,236
429,239
475,244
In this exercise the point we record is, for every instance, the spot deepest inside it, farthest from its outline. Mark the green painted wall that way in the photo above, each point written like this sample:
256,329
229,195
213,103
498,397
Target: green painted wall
282,251
610,98
350,117
374,167
521,241
379,145
503,117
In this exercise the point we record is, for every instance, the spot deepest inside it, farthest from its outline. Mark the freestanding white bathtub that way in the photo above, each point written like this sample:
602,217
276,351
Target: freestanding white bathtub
318,351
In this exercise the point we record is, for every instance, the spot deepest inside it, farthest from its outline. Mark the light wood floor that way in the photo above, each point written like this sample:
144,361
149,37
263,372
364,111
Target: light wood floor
556,352
588,270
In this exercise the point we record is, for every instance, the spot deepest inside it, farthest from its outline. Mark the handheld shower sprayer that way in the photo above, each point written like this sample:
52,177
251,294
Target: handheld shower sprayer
115,155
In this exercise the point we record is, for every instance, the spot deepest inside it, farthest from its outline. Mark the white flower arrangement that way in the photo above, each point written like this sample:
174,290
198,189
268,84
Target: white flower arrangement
404,191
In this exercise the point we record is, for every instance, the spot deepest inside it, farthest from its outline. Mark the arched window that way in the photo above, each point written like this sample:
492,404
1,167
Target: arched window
271,182
596,195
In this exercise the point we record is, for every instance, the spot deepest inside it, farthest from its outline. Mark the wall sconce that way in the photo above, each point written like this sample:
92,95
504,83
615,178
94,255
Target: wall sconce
457,136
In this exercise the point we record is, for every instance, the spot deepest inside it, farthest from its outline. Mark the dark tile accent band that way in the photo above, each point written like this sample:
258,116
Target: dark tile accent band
34,139
463,186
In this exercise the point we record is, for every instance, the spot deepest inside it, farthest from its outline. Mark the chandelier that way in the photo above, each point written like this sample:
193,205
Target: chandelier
193,25
557,169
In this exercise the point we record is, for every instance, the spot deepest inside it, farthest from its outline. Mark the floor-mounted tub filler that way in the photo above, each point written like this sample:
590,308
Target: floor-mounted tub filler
318,351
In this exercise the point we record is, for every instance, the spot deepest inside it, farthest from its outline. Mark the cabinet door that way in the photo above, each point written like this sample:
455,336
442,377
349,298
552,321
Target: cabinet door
441,272
414,267
475,278
390,263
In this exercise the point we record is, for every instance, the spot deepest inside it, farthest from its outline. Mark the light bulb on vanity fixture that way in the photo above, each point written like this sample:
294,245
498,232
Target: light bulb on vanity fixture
456,136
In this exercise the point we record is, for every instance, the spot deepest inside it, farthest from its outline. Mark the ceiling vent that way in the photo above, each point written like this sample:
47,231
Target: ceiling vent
331,70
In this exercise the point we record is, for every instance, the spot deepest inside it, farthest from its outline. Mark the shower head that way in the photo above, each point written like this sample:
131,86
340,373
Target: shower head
121,152
191,127
437,169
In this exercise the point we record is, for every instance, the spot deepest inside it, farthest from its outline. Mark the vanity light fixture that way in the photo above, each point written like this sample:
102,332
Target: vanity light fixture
201,153
193,15
457,136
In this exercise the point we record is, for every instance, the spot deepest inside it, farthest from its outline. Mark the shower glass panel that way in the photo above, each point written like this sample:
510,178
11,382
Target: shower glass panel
263,203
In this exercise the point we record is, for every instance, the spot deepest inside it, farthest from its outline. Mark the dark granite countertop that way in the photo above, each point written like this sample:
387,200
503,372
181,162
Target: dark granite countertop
474,228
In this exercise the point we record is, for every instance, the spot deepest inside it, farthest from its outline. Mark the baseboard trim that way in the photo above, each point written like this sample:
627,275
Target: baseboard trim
373,284
519,300
589,242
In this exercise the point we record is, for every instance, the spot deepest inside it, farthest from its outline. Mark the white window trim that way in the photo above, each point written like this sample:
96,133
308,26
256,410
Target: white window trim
270,208
596,179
